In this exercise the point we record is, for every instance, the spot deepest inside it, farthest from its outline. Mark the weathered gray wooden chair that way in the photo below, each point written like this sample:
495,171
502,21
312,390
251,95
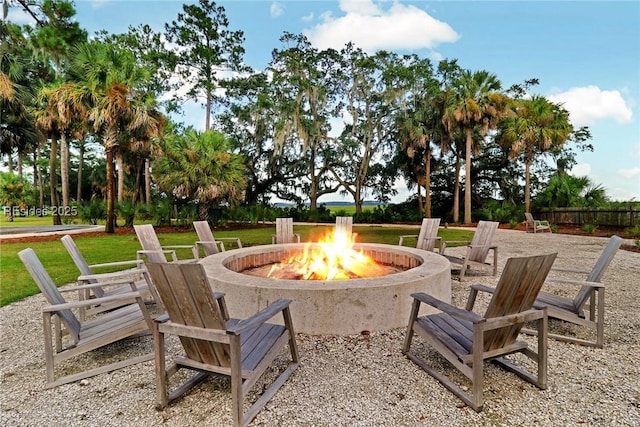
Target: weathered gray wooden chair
536,225
84,336
427,237
345,223
214,343
208,243
467,339
477,250
153,251
284,232
108,284
590,298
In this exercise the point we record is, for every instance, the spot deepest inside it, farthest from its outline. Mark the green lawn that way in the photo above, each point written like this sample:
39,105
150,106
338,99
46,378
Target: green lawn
16,284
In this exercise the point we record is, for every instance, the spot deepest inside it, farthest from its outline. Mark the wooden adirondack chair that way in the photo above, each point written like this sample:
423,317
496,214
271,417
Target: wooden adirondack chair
153,251
345,223
428,236
536,225
207,242
107,328
215,344
478,249
590,296
466,339
284,232
109,283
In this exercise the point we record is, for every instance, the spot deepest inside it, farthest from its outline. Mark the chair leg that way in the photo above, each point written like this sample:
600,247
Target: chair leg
162,397
48,350
600,319
236,382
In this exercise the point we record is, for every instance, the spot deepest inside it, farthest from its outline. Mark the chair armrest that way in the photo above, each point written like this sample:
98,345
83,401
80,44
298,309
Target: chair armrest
117,263
169,247
448,308
445,243
132,296
482,246
174,257
513,319
108,276
406,236
569,270
76,288
484,288
236,239
575,282
218,243
260,317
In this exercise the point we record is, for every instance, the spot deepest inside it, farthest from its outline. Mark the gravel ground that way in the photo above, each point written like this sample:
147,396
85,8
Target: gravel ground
361,380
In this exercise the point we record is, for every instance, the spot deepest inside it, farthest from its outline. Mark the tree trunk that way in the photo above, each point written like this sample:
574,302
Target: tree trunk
527,181
120,170
80,164
53,179
420,201
9,163
427,183
20,164
64,169
110,226
467,178
147,180
207,121
37,176
456,190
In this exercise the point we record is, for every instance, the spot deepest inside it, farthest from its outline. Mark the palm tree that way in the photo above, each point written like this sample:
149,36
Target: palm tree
538,126
198,166
476,105
109,78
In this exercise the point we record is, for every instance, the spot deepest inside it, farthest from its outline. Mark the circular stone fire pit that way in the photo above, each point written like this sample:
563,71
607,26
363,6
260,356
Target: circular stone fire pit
332,307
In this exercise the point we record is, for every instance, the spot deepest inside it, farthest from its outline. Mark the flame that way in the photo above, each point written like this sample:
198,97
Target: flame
333,258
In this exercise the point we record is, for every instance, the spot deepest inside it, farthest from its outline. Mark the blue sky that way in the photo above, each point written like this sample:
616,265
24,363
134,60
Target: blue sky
586,54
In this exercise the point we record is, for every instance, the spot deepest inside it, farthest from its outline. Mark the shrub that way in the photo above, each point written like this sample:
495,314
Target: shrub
589,228
633,231
93,211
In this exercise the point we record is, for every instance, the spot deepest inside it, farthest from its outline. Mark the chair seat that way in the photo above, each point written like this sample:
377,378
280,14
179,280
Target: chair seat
549,300
255,344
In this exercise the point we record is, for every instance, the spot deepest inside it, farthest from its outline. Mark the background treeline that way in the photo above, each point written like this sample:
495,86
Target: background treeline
95,123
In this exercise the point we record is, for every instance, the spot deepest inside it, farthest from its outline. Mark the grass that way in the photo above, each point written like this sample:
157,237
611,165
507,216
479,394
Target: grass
16,284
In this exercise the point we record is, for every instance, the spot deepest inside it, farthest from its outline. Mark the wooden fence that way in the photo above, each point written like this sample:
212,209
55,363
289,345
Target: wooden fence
609,217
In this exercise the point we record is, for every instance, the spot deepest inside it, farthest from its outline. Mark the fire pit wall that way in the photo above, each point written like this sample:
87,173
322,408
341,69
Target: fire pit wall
340,307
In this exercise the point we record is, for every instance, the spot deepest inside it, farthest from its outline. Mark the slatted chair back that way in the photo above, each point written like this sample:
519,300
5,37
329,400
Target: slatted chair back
598,270
80,262
49,290
530,220
344,223
149,241
482,240
205,236
189,300
428,233
517,289
284,230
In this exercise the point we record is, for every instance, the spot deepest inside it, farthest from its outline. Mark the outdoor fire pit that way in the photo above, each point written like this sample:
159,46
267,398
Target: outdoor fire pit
332,307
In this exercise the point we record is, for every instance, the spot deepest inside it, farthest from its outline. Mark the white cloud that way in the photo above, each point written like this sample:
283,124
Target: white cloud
308,18
276,9
629,173
622,195
371,28
583,169
589,104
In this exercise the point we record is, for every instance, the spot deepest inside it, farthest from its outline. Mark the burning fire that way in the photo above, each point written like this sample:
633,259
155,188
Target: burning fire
333,258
